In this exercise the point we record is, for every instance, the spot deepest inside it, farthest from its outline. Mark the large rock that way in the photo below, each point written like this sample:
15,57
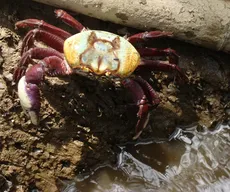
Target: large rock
202,22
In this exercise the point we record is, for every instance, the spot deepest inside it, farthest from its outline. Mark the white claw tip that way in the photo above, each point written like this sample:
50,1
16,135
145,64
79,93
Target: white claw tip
26,101
33,117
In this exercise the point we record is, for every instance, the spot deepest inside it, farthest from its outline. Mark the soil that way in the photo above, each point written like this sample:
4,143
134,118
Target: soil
82,120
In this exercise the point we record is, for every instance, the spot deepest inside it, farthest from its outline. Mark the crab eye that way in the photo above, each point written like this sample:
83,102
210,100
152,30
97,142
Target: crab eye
116,59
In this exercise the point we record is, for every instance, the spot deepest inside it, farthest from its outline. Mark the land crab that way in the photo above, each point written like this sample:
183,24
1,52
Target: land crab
94,52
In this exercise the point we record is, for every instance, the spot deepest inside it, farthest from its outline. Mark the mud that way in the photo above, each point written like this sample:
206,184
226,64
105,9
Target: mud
82,120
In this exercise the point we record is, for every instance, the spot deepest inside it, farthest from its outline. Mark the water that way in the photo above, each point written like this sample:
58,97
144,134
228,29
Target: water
192,161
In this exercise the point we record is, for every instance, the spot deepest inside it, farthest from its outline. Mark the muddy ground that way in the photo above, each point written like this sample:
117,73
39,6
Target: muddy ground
83,120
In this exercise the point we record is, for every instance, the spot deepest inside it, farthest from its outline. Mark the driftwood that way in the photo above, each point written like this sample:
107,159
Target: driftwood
201,22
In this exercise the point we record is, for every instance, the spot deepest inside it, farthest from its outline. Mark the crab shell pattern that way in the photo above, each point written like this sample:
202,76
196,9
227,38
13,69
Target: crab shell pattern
102,53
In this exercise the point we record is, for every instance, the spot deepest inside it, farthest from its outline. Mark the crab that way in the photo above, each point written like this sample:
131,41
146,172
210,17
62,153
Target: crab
89,52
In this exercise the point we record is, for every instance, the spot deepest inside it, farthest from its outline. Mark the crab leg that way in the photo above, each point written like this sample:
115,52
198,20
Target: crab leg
140,99
148,35
149,52
28,86
33,53
142,94
150,93
160,66
69,20
35,23
46,37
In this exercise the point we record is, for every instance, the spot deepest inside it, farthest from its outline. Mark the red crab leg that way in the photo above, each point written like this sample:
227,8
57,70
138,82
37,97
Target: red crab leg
150,93
147,35
28,90
140,99
69,20
160,66
143,95
35,23
27,58
149,52
46,37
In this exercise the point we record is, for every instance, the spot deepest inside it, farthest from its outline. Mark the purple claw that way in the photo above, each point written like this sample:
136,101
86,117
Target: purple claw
29,96
28,90
143,96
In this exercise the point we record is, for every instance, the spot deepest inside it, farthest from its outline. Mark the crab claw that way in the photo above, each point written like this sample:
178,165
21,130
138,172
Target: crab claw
143,117
30,99
144,97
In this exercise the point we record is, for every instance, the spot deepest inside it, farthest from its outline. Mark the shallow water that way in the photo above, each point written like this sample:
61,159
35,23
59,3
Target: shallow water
193,161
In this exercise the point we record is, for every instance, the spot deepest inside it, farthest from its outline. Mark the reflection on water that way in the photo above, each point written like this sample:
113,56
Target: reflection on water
192,161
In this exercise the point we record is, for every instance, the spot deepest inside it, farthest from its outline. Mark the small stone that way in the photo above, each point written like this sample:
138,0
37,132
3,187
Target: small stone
172,98
2,86
228,111
8,76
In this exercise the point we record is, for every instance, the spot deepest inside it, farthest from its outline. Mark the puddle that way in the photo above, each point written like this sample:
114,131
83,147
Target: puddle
193,160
